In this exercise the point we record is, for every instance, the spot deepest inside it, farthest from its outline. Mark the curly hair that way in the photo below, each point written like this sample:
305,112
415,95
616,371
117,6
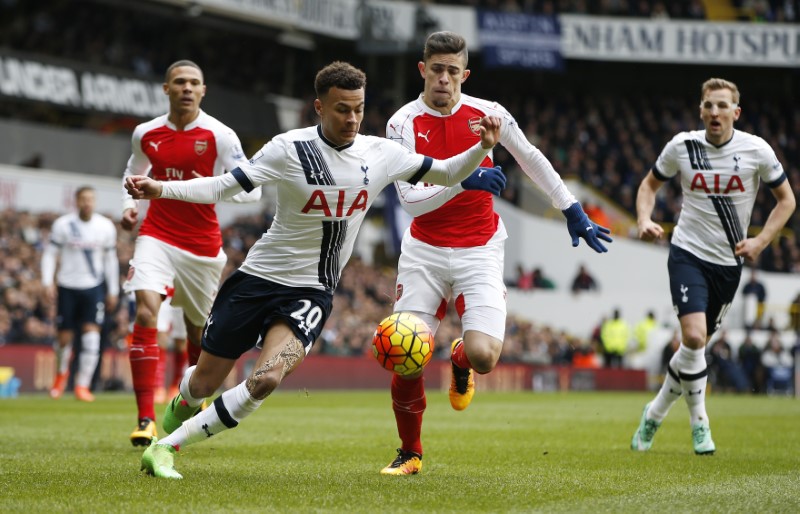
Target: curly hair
341,75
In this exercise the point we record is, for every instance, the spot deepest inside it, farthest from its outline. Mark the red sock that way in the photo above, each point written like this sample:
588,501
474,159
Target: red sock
408,402
459,356
194,352
143,355
179,358
161,368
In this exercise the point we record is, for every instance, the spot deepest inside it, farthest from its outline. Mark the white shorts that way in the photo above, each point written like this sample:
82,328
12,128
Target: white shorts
428,277
170,319
156,266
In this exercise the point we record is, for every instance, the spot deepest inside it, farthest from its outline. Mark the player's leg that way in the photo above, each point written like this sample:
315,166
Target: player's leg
480,303
211,371
144,356
689,291
281,353
422,290
63,353
723,281
409,403
196,281
179,355
67,324
87,362
151,274
163,325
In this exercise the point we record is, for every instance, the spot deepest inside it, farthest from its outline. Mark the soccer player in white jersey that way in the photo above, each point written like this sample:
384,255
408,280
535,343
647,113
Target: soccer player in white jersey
454,248
179,245
327,177
720,170
83,246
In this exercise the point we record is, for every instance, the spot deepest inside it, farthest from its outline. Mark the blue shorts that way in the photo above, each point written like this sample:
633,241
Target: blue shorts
77,307
700,286
247,305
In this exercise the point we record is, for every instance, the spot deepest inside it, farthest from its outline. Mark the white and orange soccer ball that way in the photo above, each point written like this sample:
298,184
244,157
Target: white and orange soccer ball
403,343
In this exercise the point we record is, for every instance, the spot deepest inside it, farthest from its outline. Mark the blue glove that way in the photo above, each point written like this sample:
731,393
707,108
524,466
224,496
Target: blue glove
579,225
486,179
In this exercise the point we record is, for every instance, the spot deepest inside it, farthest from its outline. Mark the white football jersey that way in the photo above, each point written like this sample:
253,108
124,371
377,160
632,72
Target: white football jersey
88,251
719,189
323,193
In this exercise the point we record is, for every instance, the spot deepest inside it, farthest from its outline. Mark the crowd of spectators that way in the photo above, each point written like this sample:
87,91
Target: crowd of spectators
364,296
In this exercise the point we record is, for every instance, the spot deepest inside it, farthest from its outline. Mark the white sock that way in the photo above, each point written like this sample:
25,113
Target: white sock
225,412
668,394
88,358
694,377
63,354
184,388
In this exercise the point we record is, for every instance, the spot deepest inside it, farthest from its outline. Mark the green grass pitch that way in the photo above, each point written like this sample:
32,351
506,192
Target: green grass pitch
321,452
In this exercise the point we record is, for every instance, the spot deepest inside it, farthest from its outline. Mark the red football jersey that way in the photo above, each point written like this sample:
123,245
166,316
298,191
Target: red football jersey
206,147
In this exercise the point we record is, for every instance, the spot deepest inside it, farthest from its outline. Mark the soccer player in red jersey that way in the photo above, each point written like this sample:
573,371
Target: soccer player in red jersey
179,244
454,248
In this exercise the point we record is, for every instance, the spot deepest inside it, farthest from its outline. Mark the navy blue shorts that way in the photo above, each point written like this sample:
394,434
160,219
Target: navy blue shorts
700,286
79,306
247,305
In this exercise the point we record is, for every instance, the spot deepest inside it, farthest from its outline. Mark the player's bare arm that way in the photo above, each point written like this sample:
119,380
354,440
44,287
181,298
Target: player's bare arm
141,187
645,202
752,247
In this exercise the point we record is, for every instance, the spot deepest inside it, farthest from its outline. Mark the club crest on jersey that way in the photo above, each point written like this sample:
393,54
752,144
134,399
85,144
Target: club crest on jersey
475,126
200,147
399,292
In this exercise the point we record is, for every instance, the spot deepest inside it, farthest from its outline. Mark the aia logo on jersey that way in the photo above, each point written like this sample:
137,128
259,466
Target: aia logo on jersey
200,147
699,182
399,292
319,202
475,126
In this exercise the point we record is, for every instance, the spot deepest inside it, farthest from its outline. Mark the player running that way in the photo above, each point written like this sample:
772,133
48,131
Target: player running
720,170
327,177
179,244
454,248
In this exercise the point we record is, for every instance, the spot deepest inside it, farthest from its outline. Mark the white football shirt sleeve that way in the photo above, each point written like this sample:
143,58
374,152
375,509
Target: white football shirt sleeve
232,157
533,162
138,164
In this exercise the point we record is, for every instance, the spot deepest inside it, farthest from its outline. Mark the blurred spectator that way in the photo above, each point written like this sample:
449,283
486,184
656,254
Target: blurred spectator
750,362
524,280
725,373
778,365
583,281
615,334
794,314
755,294
642,330
596,213
540,281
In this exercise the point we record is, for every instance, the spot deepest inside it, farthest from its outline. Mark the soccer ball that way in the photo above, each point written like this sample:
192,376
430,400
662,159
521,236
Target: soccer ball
402,343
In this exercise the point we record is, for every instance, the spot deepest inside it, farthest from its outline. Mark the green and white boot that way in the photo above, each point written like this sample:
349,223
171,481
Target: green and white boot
701,438
157,460
643,437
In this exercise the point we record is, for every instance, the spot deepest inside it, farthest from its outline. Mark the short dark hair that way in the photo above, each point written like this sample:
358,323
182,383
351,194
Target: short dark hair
178,64
445,42
341,75
82,190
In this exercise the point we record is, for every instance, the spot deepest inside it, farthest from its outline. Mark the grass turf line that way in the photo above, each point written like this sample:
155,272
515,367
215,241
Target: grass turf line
321,452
